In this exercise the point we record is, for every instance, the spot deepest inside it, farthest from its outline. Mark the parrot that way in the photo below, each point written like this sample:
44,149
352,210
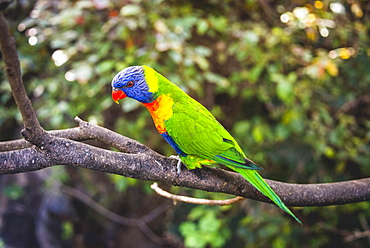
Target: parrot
192,131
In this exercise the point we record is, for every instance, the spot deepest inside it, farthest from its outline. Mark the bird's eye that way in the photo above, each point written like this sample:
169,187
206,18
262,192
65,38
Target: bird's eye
130,84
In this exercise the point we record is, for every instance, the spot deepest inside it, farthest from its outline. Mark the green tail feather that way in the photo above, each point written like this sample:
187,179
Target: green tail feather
244,164
259,183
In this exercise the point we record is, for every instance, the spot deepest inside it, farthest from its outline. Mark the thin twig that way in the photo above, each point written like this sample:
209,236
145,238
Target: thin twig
348,236
192,200
141,223
357,235
97,207
364,99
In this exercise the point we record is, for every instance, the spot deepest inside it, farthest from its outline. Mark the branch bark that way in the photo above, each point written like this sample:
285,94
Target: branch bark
148,165
63,147
33,132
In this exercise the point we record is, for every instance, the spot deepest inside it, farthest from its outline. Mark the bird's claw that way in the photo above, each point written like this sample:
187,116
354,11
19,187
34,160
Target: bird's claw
179,164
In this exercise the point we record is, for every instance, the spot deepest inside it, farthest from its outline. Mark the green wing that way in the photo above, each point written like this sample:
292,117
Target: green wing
196,132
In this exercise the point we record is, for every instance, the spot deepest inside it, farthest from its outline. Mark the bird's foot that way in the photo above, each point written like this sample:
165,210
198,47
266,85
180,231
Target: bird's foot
179,164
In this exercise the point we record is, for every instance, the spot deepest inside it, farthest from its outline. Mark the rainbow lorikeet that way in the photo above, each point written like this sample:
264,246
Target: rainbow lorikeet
194,133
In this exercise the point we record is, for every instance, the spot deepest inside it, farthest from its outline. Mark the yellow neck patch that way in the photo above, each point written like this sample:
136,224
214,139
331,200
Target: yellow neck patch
151,78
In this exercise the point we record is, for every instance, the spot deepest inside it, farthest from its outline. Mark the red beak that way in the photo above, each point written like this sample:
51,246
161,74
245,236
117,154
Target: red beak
118,95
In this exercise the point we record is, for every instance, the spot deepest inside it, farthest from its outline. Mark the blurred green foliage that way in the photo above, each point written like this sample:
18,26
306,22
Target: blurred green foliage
13,191
289,79
204,227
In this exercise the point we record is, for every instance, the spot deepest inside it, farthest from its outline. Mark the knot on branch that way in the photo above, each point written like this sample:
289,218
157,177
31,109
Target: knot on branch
86,127
81,123
38,137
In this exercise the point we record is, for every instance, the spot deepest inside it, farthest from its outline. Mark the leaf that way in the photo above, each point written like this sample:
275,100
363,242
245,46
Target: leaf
257,134
329,152
284,91
13,192
130,10
332,69
202,26
209,223
251,37
105,66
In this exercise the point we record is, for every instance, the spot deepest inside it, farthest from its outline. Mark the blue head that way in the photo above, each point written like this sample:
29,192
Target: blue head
131,82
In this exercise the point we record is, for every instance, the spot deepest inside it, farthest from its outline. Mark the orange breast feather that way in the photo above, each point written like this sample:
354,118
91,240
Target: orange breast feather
160,110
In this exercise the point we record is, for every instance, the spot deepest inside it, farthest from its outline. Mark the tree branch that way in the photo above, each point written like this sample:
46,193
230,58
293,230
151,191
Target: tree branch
155,167
32,131
86,131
